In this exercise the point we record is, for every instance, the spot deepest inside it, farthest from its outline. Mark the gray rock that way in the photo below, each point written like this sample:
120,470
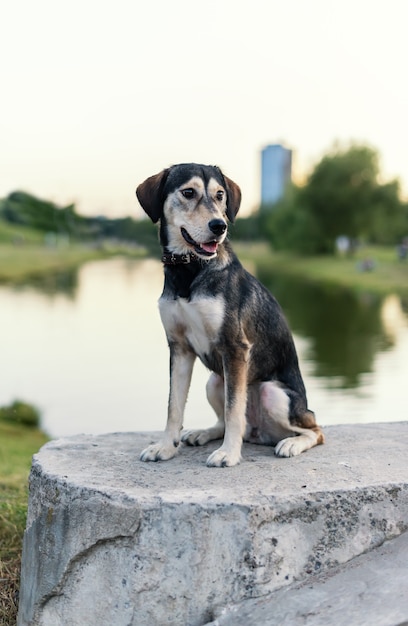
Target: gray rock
370,589
112,540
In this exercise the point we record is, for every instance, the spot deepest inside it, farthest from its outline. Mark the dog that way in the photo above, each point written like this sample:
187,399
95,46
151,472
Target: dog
213,309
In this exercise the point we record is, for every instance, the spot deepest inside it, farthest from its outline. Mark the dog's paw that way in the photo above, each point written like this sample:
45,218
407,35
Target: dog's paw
158,452
196,437
223,458
292,446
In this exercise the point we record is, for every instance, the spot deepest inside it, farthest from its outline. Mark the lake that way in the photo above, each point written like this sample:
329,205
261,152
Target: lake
88,349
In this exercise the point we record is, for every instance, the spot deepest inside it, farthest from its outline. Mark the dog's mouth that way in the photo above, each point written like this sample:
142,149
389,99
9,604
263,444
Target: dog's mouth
209,248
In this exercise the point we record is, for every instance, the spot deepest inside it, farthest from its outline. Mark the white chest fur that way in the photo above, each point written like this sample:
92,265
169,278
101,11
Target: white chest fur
197,322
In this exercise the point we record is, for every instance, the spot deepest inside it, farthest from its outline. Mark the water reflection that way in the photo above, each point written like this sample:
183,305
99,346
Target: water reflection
346,330
51,283
91,353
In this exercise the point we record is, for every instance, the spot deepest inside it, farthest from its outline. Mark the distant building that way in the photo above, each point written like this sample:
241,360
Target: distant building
276,172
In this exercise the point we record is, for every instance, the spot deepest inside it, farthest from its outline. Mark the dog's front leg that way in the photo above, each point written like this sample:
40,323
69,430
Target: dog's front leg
235,385
181,369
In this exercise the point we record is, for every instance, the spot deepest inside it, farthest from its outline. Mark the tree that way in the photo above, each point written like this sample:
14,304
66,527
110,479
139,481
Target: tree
289,225
339,193
389,218
342,196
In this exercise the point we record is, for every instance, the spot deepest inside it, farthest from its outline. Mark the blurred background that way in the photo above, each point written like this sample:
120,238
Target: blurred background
303,104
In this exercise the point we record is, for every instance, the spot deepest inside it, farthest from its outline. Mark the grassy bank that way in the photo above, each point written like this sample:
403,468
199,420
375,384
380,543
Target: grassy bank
27,253
24,255
17,445
388,273
22,262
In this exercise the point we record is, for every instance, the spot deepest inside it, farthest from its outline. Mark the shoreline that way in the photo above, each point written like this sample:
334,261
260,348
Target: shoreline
387,274
26,262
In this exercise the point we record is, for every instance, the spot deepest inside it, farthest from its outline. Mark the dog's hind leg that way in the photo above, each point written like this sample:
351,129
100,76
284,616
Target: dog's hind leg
308,434
276,425
216,398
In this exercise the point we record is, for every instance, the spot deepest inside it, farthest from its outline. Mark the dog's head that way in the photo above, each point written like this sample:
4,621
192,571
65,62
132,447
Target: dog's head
193,203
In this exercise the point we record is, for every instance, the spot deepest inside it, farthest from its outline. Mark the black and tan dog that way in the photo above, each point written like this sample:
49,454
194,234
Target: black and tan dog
212,308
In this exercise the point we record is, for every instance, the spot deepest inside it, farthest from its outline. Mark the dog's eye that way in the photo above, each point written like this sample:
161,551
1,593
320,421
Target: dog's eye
219,195
188,193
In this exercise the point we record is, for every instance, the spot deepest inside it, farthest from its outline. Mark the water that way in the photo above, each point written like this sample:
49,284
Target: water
89,350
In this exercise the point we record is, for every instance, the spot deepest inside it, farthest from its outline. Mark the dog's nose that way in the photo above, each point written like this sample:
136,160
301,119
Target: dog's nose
218,227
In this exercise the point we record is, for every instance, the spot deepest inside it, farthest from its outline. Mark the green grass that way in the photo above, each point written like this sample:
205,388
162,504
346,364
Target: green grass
389,273
18,235
24,255
17,445
22,262
27,253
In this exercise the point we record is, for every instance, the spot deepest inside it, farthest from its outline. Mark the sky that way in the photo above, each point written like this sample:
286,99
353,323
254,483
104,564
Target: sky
95,96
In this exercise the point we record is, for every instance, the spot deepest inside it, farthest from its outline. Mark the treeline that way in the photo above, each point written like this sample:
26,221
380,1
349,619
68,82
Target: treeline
21,208
344,196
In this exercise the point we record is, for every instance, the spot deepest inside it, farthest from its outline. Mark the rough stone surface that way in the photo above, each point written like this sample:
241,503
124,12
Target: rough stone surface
371,589
112,540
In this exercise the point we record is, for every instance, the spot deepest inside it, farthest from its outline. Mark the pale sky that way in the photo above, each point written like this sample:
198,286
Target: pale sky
97,95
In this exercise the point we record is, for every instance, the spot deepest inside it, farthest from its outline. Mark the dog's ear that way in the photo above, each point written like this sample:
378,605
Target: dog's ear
234,198
150,195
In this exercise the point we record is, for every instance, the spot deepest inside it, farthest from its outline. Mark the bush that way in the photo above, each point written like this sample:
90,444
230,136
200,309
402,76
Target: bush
20,413
247,228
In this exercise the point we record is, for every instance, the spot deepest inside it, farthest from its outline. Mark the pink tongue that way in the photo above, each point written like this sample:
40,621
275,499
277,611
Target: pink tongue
211,246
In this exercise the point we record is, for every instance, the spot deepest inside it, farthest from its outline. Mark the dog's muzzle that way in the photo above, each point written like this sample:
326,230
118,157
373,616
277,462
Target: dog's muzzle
207,248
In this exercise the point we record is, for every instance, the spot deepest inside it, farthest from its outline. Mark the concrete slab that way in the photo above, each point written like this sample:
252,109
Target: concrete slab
371,589
113,540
